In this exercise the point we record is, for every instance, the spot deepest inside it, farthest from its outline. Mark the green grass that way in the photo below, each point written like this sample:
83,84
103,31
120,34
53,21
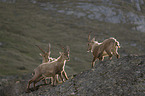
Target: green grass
23,25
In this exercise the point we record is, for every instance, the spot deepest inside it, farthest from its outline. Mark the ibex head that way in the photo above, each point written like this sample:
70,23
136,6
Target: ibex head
116,42
45,54
90,42
65,53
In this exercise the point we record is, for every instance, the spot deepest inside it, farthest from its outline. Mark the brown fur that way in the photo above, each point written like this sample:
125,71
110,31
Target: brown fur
46,58
50,69
108,47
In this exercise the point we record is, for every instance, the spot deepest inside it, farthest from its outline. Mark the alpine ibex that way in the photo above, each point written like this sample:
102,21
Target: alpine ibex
101,50
46,58
50,69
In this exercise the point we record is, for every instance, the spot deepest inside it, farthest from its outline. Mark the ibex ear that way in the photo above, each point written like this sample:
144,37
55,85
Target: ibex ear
40,54
49,47
93,39
60,53
68,49
49,52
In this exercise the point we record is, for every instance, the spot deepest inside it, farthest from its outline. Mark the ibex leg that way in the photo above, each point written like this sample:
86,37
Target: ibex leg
109,53
30,81
57,78
65,75
34,78
93,62
60,78
100,56
53,83
116,53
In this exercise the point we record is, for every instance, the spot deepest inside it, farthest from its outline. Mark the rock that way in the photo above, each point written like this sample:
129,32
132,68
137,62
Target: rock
33,1
1,44
141,28
102,12
9,1
124,76
141,2
138,7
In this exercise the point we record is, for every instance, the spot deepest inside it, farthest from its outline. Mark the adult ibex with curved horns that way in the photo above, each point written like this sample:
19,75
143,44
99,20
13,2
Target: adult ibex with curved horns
50,69
101,50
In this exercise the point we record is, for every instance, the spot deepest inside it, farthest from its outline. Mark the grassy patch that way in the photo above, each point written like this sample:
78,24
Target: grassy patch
23,25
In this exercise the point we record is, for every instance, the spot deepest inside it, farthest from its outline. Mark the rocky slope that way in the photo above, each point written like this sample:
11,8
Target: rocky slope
120,77
121,11
25,23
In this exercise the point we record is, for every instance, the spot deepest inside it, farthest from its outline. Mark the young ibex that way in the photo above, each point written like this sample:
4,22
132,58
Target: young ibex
101,50
50,69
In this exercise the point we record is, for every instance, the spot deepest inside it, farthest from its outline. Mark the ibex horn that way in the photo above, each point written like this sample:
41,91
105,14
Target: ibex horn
49,47
40,49
89,36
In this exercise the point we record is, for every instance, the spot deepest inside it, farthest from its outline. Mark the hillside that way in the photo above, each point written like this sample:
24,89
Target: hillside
24,24
122,77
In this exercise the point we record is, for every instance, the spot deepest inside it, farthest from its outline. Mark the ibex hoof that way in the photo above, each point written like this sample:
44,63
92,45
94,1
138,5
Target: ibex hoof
110,58
118,56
